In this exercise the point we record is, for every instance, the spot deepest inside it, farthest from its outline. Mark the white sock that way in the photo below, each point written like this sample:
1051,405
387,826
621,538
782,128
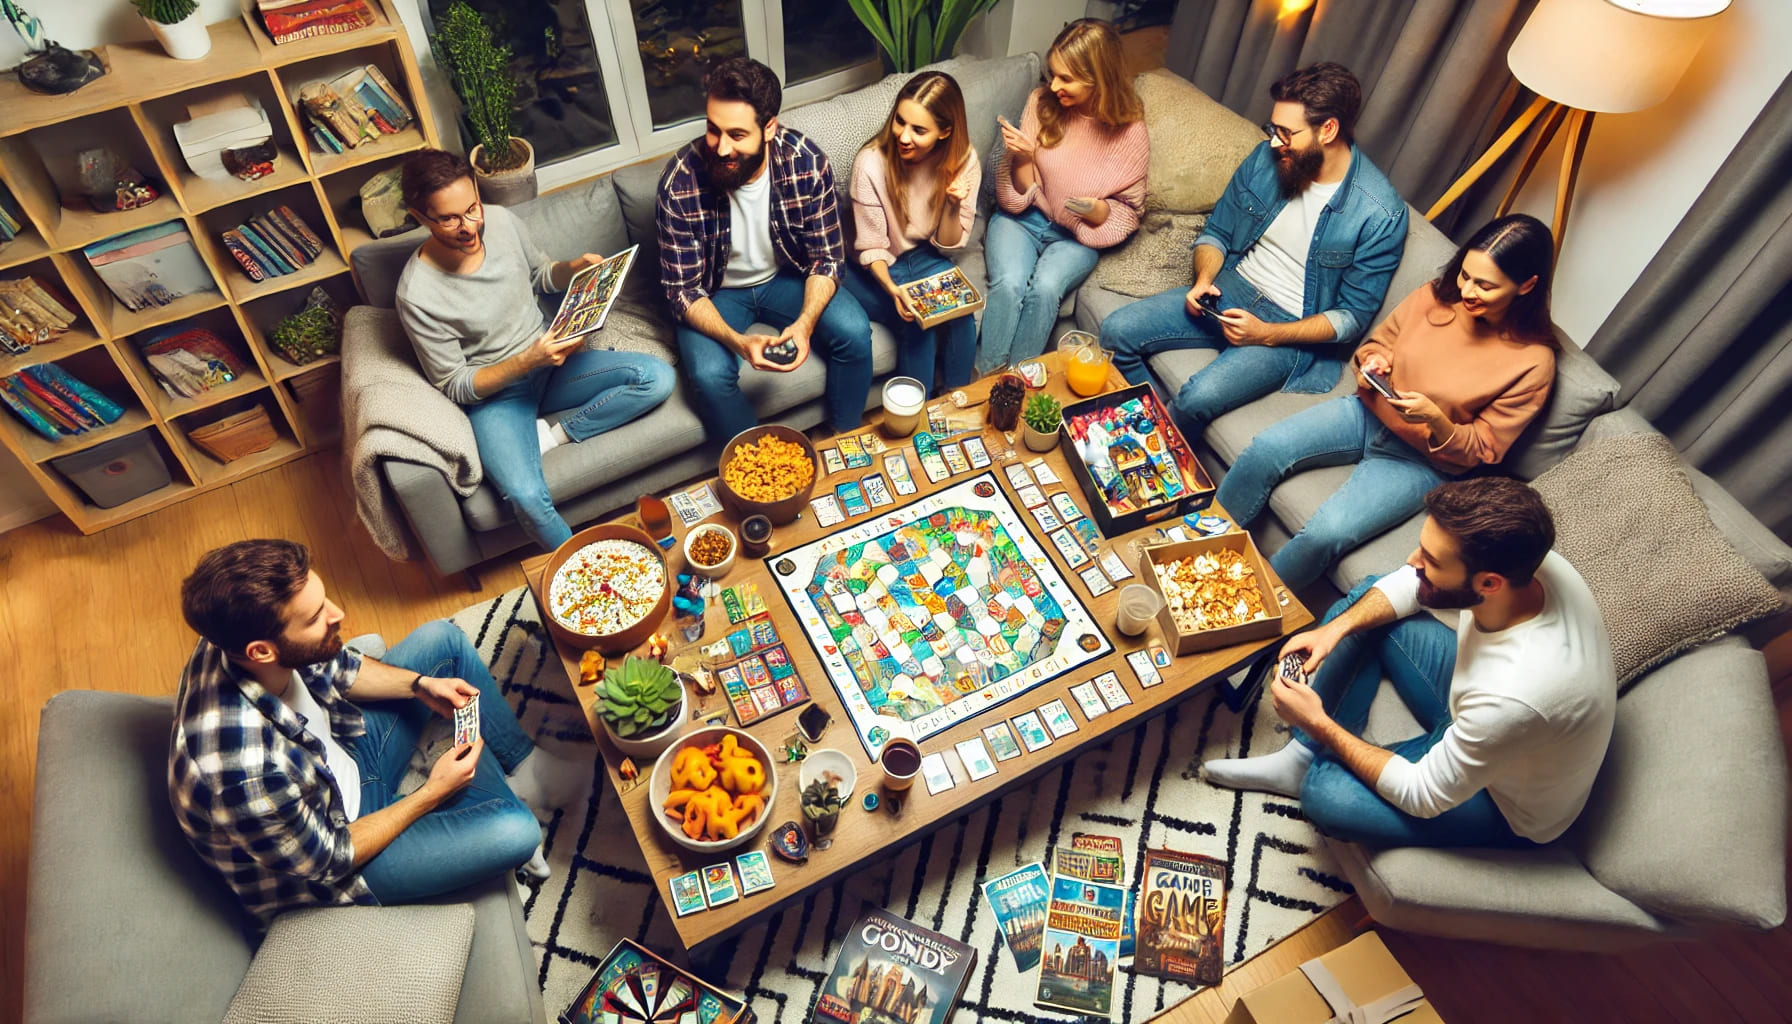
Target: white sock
557,431
544,436
536,868
546,782
1281,772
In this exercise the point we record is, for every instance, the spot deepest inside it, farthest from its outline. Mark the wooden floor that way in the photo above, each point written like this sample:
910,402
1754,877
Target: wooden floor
102,612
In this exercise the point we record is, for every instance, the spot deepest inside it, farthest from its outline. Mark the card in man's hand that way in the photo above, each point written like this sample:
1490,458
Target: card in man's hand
466,722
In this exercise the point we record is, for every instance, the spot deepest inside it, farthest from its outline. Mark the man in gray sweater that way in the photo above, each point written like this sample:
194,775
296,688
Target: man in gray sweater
467,301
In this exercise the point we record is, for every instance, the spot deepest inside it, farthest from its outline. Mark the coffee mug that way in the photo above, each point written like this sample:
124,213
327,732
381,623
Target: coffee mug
901,760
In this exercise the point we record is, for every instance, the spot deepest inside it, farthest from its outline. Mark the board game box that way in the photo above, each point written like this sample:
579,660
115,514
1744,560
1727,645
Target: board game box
1181,917
890,971
590,294
1019,900
632,984
1131,461
1082,943
944,296
935,611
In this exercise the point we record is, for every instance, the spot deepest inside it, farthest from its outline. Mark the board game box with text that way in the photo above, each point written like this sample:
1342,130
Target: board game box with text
935,611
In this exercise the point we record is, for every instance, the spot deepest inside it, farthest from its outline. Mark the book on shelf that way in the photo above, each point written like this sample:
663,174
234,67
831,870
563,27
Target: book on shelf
632,983
368,87
12,220
1182,917
150,267
1081,946
273,244
30,314
54,403
889,968
287,20
189,361
355,107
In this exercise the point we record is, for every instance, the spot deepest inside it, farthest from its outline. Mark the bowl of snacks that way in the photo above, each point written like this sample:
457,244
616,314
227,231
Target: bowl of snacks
709,549
770,471
607,589
715,789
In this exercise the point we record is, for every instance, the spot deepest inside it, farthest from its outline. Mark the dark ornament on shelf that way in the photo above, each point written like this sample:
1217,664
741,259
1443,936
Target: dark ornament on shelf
57,71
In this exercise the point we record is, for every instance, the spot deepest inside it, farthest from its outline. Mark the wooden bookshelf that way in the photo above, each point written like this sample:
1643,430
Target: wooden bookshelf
133,109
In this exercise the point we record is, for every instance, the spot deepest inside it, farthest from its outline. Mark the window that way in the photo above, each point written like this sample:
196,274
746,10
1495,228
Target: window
678,41
822,37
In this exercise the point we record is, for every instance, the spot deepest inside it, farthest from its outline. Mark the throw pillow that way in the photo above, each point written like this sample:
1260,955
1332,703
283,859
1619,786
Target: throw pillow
1156,257
349,964
1666,580
1196,144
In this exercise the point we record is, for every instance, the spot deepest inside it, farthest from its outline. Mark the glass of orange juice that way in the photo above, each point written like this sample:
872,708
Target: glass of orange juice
1085,363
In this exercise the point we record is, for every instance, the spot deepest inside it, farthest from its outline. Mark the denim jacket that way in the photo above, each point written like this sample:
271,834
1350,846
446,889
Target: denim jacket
1355,250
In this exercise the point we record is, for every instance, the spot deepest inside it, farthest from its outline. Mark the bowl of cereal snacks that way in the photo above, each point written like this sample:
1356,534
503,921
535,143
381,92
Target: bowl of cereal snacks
709,549
715,789
769,471
1216,592
607,588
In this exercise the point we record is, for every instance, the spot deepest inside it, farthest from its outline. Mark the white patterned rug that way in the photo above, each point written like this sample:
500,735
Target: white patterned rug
1141,786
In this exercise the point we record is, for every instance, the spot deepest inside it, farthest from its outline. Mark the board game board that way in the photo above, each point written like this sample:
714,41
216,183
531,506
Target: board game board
935,611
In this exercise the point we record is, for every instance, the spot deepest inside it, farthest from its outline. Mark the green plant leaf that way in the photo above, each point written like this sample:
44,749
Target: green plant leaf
955,17
924,54
870,15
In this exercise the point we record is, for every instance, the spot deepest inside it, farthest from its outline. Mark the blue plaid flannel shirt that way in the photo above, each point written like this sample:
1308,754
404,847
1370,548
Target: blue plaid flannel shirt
251,790
692,218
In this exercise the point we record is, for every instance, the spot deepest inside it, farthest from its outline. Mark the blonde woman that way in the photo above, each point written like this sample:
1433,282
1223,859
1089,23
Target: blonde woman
1071,182
914,198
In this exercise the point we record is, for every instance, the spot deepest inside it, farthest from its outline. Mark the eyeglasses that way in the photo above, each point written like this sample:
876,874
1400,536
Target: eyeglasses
453,222
1280,135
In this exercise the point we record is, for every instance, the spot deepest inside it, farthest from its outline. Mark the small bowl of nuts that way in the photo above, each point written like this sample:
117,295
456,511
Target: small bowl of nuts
710,549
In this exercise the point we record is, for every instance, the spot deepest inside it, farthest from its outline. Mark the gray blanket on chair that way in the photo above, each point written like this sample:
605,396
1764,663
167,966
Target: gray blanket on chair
389,411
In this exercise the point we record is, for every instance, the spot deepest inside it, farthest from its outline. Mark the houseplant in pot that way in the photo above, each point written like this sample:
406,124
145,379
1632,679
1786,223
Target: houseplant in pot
642,705
177,26
479,69
1041,419
821,805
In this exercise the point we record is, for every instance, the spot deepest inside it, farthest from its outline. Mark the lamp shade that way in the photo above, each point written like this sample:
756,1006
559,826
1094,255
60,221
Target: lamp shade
1610,56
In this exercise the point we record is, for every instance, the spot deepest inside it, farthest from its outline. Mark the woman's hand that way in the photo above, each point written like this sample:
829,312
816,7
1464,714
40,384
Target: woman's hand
1020,147
903,309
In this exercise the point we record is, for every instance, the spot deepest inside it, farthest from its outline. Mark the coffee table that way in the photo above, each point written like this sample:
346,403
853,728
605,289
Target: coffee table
862,836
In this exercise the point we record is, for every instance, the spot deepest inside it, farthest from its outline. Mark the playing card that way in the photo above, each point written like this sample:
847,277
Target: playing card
896,465
1087,535
1089,700
1113,694
1001,741
1047,519
1032,733
853,453
873,444
1096,582
754,671
777,662
937,773
1159,656
1066,507
1031,497
827,510
1142,667
1018,476
466,722
687,893
832,462
974,450
1068,546
1043,473
755,872
975,758
718,884
1115,566
1175,533
852,498
1057,718
877,492
955,460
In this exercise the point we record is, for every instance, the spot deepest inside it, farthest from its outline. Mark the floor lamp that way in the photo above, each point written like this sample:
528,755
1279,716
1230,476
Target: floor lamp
1583,57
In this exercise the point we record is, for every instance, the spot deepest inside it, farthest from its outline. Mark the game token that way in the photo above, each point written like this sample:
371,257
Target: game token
1032,733
975,758
832,462
1066,507
896,464
974,450
789,842
1043,472
1069,547
1018,476
955,460
687,893
1089,700
1047,519
1112,692
1096,582
937,773
1057,718
852,498
1142,667
877,492
827,510
755,872
1159,656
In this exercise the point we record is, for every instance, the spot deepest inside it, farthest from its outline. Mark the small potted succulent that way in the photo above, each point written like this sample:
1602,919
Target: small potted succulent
642,705
1042,416
821,805
177,25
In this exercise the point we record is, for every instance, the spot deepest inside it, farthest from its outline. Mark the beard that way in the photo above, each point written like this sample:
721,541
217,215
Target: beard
1296,172
1446,598
728,175
298,656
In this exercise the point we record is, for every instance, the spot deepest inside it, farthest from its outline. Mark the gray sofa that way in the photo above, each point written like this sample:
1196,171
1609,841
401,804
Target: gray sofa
606,215
1686,827
126,923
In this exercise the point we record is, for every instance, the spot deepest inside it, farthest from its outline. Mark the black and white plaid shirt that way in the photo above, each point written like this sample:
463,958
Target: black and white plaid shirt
250,787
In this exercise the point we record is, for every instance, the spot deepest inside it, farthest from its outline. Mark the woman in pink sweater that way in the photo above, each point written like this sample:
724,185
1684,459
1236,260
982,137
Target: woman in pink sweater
1072,181
1468,360
914,198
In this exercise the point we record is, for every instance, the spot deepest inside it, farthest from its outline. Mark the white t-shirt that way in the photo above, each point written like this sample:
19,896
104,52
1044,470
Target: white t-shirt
341,763
1531,711
751,259
1277,264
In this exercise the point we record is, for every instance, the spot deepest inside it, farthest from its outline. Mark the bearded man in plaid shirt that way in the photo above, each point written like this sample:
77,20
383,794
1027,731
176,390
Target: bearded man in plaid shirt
749,232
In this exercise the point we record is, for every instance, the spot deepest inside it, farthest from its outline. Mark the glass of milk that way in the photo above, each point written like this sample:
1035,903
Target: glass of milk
904,398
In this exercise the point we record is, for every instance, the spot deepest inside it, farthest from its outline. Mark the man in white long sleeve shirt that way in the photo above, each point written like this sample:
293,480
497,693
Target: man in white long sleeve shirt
1516,706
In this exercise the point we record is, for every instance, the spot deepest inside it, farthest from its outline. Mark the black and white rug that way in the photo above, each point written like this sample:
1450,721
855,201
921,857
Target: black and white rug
1141,786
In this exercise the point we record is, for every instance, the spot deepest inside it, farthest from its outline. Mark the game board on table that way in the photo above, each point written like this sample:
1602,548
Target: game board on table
935,611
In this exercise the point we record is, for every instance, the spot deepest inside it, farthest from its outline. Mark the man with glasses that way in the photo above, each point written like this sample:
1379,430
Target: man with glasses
1290,267
467,301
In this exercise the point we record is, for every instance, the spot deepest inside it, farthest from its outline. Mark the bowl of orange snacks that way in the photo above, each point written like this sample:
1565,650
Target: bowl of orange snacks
770,471
714,789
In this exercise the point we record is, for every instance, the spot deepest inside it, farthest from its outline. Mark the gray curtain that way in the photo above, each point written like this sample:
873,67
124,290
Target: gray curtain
1703,341
1436,91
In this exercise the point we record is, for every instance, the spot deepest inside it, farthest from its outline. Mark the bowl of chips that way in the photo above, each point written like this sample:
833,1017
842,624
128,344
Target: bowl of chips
715,789
607,588
769,470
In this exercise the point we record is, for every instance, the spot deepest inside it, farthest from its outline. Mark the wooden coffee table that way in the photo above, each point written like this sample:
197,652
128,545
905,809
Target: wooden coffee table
862,836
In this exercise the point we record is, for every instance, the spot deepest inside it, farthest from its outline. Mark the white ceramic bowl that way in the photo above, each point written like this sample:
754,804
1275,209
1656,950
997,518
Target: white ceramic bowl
660,784
821,763
720,569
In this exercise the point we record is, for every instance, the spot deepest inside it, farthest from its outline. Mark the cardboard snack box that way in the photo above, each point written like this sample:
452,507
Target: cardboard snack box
1367,976
1224,636
1134,459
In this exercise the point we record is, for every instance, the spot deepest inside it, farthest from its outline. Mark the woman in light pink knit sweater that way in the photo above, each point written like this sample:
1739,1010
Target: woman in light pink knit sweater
1072,181
914,199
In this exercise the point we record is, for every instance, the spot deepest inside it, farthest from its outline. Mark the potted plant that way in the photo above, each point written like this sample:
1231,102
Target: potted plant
821,805
177,26
479,69
915,33
1041,419
642,706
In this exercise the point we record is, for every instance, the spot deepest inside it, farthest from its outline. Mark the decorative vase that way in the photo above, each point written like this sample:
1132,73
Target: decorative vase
645,747
186,39
1039,440
510,187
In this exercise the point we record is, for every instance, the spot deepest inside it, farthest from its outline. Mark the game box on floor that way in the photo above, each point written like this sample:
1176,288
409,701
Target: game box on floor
1231,582
635,984
1131,462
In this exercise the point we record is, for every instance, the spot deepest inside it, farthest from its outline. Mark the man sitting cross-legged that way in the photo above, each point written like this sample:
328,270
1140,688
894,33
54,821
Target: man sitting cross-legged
1516,705
288,748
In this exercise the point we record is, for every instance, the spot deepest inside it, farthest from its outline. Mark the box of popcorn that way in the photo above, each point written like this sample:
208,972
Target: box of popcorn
1216,592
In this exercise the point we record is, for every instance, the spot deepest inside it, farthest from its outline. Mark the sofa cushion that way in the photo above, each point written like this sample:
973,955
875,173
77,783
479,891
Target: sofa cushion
1196,143
348,964
1582,391
1688,815
1665,578
637,190
572,221
379,263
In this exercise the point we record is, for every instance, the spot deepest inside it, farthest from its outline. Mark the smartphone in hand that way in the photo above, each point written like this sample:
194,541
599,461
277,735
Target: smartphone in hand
1079,206
1380,384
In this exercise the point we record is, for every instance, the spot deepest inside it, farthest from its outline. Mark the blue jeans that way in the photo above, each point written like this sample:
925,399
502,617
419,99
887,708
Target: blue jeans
842,336
1388,485
1033,263
605,390
945,352
1418,655
1162,323
481,831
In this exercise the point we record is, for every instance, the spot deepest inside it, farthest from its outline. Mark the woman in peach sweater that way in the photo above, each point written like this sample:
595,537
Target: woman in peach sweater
1071,182
1469,360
